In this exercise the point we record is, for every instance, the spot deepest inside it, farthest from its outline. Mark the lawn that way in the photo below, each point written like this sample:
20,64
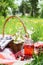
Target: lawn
35,24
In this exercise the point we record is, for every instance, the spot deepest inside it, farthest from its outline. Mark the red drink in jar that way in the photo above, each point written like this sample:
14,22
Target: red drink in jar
28,48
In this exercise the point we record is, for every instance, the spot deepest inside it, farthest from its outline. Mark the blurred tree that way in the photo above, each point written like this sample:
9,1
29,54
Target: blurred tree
24,7
34,8
3,8
41,10
4,4
28,6
15,9
42,13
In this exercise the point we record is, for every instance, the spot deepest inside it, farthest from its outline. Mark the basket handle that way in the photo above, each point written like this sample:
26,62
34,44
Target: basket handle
19,20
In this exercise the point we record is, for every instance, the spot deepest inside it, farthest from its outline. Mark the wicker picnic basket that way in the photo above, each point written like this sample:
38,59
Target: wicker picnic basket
15,47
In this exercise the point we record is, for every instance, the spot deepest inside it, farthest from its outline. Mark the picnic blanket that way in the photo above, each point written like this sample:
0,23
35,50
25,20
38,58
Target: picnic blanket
7,57
39,43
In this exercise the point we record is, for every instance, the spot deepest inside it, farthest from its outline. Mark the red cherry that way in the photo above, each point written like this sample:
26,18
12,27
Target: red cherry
22,58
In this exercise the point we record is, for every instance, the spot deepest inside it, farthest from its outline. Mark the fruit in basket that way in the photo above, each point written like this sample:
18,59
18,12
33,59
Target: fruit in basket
18,38
22,58
18,41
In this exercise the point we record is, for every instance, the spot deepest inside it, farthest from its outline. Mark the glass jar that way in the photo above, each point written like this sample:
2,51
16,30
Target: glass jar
28,47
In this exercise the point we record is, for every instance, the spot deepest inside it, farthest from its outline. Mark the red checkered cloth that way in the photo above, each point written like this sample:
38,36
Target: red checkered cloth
39,43
7,57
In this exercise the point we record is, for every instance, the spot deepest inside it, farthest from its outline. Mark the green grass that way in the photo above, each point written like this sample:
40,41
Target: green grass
37,24
13,25
31,22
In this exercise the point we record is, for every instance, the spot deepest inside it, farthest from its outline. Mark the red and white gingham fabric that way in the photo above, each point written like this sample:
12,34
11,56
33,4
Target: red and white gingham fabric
7,57
39,43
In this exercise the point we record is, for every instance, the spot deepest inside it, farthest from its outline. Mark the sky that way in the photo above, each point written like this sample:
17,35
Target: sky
18,2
